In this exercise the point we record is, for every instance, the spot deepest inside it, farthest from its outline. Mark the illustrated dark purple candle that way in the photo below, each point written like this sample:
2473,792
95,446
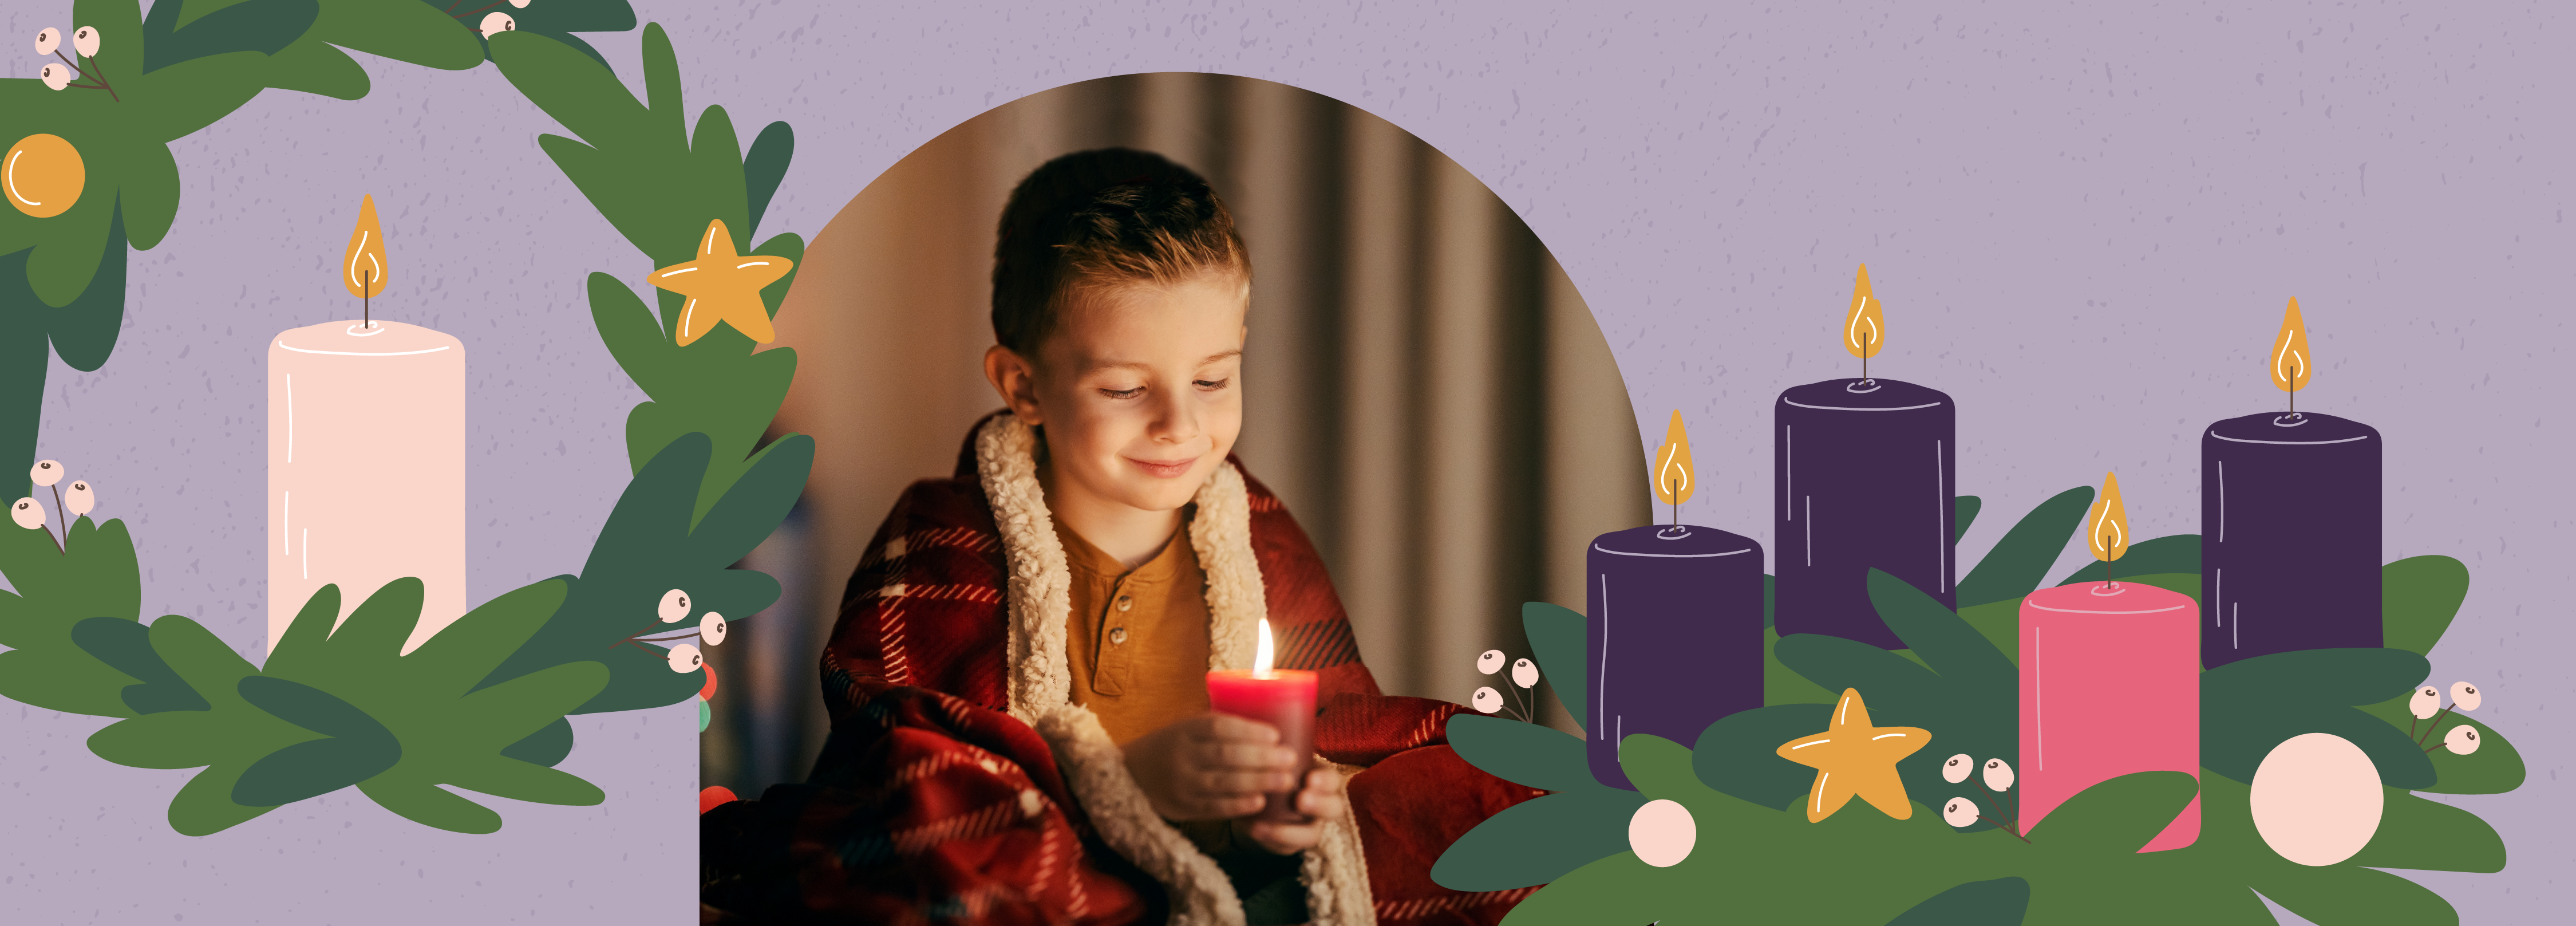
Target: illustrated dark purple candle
1862,473
2289,521
1674,629
1863,478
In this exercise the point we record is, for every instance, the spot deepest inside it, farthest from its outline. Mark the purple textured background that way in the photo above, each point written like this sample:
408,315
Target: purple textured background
2084,225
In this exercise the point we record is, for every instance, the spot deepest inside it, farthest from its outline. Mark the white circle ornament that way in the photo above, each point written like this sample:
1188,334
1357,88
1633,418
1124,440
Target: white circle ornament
48,39
85,41
30,515
1487,700
497,23
1491,662
712,627
1956,768
80,499
2316,799
675,605
45,473
1525,674
1662,833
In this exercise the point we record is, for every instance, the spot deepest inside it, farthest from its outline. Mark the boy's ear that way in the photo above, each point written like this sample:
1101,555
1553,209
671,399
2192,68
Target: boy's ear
1015,380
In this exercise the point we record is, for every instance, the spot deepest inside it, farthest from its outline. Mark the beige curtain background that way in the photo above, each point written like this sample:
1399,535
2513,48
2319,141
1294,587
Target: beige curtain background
1424,388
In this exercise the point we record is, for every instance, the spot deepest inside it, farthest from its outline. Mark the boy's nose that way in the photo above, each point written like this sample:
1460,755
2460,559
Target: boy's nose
1176,419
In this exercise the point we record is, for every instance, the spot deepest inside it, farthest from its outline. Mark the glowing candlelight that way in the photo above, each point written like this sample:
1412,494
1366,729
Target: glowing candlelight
1282,698
1673,467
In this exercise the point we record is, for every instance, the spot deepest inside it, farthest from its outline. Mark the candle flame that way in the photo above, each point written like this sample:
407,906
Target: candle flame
2106,527
1865,329
2290,351
1673,482
364,270
1261,654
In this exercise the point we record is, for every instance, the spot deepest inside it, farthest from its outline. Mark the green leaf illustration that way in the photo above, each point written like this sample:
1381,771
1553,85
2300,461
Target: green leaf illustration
95,575
2021,559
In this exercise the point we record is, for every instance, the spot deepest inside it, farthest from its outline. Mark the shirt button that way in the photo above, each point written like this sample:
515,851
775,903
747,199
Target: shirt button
1117,634
1126,601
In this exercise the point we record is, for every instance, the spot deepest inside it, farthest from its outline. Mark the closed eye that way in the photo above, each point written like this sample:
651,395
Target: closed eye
1123,393
1212,385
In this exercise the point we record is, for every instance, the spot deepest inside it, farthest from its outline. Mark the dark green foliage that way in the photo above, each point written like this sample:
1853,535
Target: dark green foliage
2251,705
263,26
1965,508
354,748
647,548
2019,561
451,730
1963,690
762,169
1759,776
2000,902
57,590
126,646
554,19
547,747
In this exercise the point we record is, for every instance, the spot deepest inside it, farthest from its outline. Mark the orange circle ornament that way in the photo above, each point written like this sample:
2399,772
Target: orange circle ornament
42,175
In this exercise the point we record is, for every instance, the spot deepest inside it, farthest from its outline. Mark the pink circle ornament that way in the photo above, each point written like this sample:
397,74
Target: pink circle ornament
2316,799
1662,833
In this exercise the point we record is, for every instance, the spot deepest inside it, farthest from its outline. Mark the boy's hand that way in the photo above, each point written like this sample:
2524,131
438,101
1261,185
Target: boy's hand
1211,767
1320,800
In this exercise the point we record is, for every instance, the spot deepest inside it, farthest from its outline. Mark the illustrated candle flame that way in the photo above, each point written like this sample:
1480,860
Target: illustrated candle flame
1261,654
1865,329
1673,481
2106,527
2289,365
364,271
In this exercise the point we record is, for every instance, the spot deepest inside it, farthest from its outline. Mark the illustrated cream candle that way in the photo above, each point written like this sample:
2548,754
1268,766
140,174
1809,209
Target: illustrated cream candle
2289,524
1673,623
1863,477
366,456
2110,683
1282,698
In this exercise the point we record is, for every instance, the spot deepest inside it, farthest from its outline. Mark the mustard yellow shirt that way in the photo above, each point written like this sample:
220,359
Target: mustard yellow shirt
1137,640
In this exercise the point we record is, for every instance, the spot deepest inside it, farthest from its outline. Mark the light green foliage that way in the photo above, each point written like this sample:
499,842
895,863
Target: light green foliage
659,186
95,576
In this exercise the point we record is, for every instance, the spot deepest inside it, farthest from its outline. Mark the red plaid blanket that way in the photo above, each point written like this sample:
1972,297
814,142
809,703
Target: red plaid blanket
931,804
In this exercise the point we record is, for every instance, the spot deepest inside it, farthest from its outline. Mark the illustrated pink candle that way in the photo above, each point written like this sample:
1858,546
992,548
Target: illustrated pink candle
1282,698
2110,684
366,458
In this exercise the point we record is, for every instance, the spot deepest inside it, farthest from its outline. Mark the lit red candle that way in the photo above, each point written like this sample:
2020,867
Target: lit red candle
1282,698
2110,683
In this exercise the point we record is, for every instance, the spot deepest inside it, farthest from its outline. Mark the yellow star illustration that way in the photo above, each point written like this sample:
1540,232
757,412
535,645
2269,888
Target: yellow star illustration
1852,757
723,286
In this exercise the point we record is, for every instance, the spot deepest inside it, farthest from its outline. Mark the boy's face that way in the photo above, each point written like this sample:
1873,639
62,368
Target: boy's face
1140,389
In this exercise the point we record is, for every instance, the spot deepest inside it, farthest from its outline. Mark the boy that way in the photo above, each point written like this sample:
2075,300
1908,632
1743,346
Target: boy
1017,681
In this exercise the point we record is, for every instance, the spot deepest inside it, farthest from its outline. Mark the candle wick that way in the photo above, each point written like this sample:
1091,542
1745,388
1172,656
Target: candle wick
366,307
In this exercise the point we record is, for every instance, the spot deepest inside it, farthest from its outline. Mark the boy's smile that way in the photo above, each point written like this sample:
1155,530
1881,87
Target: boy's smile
1140,392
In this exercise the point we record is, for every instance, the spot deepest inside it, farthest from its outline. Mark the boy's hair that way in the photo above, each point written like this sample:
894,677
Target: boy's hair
1106,217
